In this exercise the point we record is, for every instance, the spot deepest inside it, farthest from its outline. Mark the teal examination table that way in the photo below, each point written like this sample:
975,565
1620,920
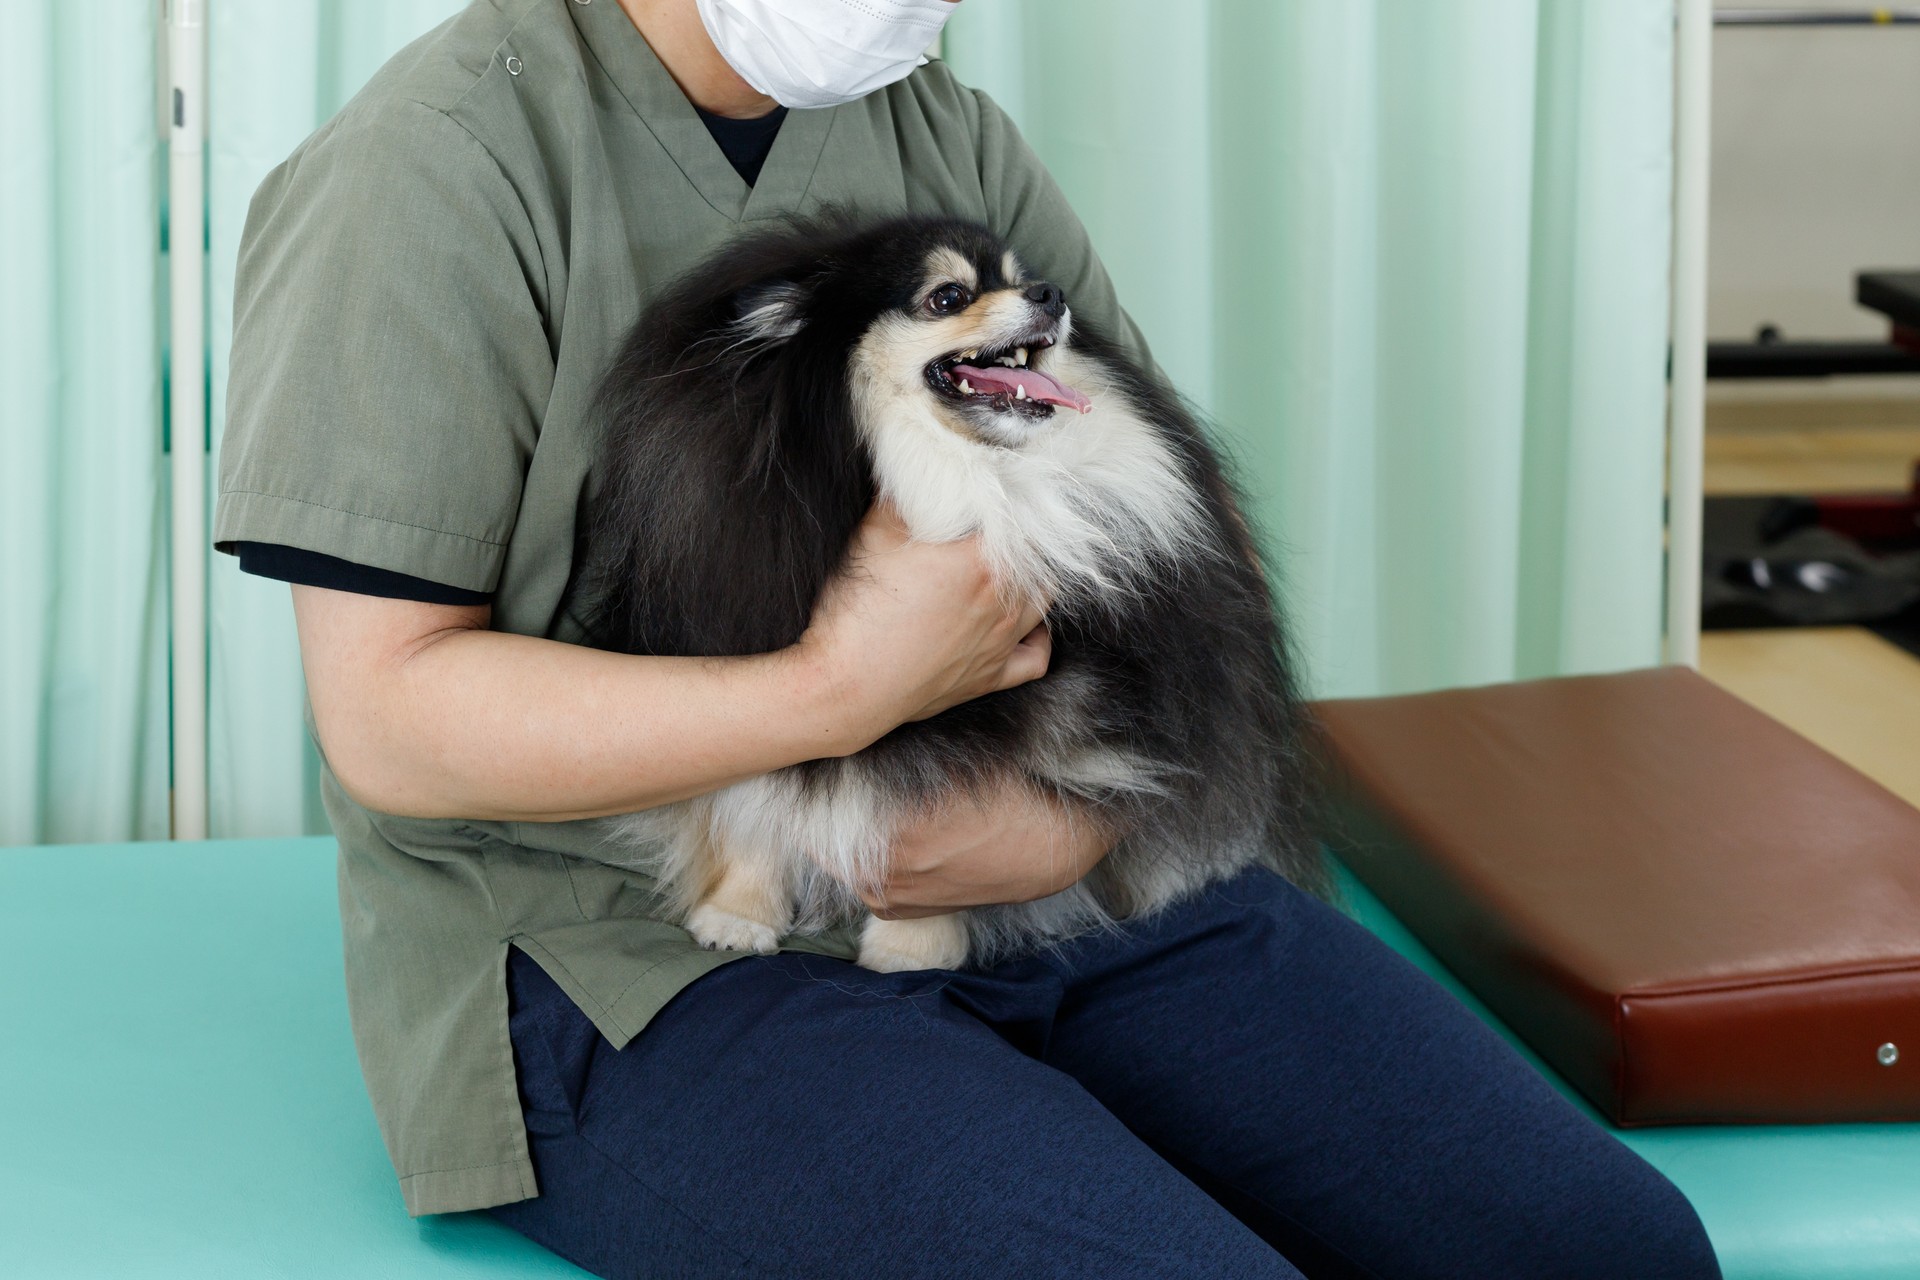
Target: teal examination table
182,1098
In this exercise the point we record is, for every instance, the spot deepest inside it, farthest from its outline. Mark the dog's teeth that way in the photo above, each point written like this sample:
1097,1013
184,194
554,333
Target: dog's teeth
1019,393
1007,361
970,355
966,388
1020,356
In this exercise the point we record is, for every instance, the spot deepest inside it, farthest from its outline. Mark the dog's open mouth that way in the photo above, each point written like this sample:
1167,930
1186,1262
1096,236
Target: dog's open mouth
1008,380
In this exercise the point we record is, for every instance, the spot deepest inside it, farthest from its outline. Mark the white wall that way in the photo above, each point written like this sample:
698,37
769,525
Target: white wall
1816,172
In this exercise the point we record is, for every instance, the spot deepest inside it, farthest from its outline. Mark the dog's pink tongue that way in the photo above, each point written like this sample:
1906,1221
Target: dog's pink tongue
1038,385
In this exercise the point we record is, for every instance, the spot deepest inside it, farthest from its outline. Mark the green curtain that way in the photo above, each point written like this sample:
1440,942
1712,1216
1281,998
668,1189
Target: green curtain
1412,256
83,648
277,69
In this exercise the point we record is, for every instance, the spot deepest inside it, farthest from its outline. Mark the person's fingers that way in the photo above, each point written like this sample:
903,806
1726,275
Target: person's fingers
882,530
887,518
886,910
1029,659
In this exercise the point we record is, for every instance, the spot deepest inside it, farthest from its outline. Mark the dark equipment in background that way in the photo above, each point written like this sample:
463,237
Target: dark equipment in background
1892,292
1879,522
1895,294
1875,17
1834,559
1770,562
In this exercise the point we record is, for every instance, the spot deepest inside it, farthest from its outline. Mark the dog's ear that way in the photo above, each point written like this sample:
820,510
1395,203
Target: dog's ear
771,311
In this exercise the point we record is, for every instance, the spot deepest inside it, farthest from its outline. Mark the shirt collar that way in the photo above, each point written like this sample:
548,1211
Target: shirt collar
656,99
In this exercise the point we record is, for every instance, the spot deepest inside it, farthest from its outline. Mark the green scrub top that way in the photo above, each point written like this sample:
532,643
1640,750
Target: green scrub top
428,290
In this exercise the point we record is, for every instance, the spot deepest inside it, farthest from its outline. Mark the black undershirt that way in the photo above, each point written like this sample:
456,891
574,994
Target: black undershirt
313,569
745,143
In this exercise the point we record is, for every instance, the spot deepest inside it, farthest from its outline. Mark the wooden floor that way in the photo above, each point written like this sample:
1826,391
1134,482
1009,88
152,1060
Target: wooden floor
1841,460
1843,687
1823,444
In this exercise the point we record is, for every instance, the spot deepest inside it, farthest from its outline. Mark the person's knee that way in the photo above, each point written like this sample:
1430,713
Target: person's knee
1672,1235
1634,1222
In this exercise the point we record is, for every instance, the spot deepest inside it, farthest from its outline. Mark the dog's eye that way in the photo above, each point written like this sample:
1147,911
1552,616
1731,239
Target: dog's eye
947,300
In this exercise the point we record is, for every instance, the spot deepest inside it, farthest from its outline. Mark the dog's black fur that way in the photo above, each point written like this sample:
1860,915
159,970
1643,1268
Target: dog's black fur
733,477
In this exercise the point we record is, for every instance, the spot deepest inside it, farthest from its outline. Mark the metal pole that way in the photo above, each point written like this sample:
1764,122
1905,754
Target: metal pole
1686,435
186,252
1881,17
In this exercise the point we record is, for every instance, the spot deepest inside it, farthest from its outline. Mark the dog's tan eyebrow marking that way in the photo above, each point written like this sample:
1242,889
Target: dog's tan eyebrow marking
1011,269
944,264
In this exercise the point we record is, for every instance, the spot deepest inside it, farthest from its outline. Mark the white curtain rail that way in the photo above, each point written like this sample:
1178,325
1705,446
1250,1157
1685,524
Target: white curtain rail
187,406
1686,392
1881,17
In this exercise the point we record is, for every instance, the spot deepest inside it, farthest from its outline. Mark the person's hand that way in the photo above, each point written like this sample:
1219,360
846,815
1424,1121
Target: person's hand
908,629
1006,844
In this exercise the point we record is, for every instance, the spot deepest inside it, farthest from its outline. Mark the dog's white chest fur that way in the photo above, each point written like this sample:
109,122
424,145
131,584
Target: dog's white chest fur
1083,503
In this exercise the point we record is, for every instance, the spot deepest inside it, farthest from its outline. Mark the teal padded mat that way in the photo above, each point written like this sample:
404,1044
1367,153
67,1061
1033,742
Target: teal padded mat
183,1099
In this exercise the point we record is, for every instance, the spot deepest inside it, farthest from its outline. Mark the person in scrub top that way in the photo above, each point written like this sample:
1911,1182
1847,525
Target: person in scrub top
428,290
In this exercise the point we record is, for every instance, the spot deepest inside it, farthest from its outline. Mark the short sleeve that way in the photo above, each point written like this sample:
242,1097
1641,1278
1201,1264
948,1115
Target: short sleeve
390,356
1027,209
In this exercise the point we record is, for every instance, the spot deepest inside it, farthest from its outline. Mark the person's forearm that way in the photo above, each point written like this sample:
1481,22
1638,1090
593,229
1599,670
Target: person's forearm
490,725
424,711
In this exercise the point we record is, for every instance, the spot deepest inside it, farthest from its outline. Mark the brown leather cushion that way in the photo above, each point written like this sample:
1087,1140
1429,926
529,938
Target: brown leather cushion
1689,910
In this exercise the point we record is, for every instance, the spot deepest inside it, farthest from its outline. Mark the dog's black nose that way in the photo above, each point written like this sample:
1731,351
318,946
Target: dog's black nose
1048,298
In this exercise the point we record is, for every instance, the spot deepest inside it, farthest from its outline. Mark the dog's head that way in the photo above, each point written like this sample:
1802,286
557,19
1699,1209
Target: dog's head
930,317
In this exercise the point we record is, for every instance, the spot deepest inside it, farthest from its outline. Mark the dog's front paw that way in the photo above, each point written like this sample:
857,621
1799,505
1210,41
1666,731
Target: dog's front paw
718,930
902,946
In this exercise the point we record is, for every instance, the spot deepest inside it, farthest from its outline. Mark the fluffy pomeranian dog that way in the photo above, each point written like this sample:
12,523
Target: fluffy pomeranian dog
752,418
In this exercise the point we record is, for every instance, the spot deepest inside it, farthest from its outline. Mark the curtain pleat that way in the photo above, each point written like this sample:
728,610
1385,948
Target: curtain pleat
277,70
1412,257
83,656
1409,255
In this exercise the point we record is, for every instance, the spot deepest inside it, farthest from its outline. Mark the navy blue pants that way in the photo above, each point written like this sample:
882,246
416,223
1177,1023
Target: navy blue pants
1248,1085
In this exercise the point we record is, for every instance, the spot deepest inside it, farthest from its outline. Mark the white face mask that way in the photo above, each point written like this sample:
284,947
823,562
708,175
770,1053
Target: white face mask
816,53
